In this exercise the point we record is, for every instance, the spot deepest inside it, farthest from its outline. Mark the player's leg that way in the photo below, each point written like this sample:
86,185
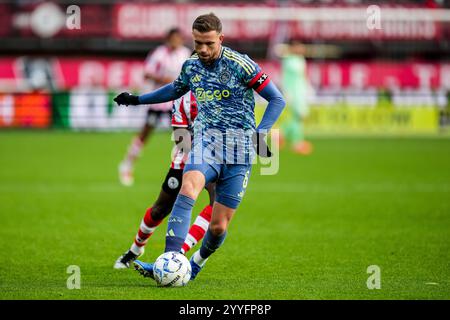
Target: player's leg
153,217
230,190
201,223
180,218
126,167
214,237
300,111
193,182
194,179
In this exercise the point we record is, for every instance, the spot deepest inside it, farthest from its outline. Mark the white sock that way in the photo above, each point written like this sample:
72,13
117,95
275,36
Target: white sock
198,259
136,249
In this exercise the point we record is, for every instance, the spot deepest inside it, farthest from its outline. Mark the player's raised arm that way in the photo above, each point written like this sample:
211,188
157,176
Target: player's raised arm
166,93
169,92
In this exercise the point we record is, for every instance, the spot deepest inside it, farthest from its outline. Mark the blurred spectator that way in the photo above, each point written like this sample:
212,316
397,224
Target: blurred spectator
162,66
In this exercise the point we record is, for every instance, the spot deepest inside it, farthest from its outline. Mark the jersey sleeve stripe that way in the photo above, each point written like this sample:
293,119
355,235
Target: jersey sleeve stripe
239,62
243,60
248,63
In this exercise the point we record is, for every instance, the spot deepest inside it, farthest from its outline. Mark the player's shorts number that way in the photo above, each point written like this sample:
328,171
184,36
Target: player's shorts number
245,182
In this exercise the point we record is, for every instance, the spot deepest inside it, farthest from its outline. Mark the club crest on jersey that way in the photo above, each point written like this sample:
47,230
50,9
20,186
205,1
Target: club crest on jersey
225,77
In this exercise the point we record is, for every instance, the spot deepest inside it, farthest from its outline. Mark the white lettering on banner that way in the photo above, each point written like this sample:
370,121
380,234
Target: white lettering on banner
445,76
89,110
136,76
72,72
314,74
145,21
334,75
6,109
231,27
358,29
116,75
91,73
126,118
424,74
307,28
256,29
359,75
409,29
153,20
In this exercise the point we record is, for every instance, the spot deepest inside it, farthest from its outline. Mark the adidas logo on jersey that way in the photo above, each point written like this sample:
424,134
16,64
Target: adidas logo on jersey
196,78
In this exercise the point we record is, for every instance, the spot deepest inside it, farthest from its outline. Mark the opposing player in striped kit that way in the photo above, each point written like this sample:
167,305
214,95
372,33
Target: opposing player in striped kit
183,114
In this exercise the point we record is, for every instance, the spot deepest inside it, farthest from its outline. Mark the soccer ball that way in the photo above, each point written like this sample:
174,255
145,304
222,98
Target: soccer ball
172,269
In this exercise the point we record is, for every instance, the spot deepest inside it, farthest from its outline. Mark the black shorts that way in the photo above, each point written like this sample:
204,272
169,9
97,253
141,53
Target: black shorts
172,183
155,117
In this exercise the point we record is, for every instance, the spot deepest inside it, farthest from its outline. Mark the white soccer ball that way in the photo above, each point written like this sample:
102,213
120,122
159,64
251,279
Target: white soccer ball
172,269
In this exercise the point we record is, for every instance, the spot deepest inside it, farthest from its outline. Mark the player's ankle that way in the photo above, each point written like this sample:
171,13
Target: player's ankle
136,249
197,258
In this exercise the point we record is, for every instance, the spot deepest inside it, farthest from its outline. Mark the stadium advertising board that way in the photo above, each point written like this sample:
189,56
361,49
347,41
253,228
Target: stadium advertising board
347,97
68,73
25,110
151,20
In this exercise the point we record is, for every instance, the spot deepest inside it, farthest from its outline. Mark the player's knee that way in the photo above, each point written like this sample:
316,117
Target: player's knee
193,183
218,228
189,189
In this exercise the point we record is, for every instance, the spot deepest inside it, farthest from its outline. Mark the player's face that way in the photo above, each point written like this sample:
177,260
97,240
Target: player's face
175,40
207,45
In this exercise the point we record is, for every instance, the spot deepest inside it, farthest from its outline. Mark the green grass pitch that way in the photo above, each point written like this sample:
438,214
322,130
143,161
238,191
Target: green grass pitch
309,232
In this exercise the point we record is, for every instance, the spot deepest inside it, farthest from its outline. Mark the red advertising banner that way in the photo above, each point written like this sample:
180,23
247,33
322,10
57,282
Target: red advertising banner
18,74
347,30
240,21
149,21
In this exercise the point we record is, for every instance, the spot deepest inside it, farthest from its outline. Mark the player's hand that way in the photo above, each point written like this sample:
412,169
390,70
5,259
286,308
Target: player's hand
126,99
260,145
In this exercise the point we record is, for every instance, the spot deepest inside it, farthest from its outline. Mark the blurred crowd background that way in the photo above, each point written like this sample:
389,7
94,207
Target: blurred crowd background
61,65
